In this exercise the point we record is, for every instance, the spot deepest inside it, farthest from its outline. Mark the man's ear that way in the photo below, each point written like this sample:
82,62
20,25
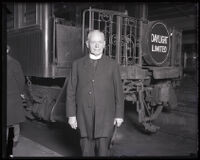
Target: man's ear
87,44
104,44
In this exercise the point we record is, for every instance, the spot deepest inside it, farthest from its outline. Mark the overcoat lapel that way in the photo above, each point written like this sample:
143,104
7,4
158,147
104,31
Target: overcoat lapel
87,67
86,63
101,66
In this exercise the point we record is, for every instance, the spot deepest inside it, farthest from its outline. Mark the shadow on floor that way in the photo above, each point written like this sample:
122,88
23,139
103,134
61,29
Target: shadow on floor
58,137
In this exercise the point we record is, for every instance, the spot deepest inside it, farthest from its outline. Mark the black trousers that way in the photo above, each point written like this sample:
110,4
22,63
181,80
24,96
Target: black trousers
9,142
95,147
91,146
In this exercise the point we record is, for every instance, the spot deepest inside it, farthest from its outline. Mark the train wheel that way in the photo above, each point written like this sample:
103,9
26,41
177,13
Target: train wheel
147,113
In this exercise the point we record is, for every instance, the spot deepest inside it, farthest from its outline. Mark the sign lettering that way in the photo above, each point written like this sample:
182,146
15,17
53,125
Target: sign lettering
158,38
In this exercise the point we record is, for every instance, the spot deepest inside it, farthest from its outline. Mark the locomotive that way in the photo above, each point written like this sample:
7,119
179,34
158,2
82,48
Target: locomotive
148,52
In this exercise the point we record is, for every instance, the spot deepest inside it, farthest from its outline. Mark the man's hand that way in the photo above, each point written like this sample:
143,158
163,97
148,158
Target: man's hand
72,122
22,96
118,121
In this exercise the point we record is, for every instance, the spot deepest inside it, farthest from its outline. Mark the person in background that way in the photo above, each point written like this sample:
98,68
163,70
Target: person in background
15,87
95,100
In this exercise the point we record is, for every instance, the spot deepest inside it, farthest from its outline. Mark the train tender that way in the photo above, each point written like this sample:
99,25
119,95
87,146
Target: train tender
149,54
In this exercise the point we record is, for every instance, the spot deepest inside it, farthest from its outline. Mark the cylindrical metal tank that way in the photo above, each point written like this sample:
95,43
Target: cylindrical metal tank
47,34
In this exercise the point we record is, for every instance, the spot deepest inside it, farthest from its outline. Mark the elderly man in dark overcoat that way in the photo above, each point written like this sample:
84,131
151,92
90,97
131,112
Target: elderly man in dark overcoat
95,100
15,87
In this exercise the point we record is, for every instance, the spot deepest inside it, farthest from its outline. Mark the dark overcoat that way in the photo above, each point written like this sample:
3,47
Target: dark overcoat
106,88
15,86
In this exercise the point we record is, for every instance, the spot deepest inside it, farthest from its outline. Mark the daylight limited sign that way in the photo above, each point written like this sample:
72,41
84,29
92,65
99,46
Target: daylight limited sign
159,42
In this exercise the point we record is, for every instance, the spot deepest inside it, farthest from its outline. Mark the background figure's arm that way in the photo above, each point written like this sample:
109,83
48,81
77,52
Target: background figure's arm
20,78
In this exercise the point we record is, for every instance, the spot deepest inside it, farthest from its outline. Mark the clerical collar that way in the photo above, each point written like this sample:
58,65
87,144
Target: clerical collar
95,57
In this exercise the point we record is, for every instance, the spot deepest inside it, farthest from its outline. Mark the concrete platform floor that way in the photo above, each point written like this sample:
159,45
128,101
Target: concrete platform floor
178,134
28,148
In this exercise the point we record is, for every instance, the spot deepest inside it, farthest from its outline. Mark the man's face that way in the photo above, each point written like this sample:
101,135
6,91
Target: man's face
96,44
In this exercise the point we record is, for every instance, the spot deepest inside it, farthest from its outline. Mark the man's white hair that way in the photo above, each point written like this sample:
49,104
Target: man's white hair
95,31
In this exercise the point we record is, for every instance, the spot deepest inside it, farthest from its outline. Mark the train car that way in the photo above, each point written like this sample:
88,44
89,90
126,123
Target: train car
148,52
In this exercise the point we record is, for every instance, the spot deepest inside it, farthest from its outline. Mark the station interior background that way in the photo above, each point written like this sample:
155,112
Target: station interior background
182,15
